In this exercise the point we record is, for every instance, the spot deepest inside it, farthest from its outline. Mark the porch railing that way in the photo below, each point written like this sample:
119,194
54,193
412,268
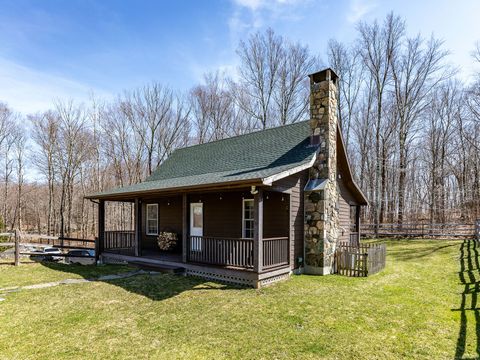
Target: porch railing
221,251
275,252
237,252
120,241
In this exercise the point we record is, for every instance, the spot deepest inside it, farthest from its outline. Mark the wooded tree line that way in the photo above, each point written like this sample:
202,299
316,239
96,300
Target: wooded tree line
411,127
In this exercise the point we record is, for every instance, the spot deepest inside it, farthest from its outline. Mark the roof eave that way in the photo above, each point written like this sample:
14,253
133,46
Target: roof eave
351,181
177,189
271,179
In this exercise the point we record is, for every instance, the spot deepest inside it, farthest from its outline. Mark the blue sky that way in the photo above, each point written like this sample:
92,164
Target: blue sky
69,49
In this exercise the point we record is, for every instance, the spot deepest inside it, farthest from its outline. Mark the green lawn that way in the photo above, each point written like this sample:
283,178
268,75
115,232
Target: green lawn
30,272
418,307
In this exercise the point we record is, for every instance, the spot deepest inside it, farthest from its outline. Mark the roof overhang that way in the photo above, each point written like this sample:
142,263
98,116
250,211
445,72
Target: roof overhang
129,196
348,180
269,180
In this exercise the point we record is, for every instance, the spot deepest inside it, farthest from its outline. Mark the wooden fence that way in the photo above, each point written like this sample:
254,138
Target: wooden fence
354,238
362,260
65,242
58,242
54,241
423,230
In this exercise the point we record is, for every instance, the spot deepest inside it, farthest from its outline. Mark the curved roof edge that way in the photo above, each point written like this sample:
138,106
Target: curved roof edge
349,181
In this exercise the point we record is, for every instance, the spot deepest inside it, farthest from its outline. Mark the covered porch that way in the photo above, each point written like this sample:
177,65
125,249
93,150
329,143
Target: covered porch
240,235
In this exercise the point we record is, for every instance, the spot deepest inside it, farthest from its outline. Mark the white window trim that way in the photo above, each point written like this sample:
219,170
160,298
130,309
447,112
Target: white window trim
147,219
243,218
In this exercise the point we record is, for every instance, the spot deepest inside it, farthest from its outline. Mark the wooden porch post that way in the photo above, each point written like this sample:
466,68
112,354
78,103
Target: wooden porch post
258,231
138,226
184,227
101,229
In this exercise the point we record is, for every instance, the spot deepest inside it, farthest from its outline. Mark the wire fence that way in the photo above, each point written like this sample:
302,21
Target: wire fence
423,230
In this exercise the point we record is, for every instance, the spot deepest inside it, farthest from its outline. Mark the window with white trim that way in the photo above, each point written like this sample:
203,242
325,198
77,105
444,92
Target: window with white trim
248,219
152,219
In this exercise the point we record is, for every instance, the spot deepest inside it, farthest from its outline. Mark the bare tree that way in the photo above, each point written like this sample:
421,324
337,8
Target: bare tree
156,116
19,156
347,63
412,133
122,145
379,45
172,135
212,108
272,88
292,88
45,135
416,70
260,58
71,151
8,134
148,110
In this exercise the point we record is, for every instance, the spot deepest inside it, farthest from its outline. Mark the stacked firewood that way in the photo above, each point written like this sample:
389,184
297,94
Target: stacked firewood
167,240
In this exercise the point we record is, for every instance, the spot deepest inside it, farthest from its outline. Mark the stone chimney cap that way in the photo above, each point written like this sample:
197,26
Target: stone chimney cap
326,74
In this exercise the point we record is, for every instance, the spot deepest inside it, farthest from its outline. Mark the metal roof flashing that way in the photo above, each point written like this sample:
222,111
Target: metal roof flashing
316,184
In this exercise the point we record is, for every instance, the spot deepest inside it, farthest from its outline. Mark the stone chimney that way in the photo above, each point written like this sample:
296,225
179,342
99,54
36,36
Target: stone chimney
322,192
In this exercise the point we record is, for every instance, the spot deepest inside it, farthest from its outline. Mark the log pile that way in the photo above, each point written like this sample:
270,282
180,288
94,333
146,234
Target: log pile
167,240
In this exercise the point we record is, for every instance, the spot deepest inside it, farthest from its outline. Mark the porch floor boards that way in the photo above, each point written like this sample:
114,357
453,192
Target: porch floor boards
157,267
156,255
168,259
219,272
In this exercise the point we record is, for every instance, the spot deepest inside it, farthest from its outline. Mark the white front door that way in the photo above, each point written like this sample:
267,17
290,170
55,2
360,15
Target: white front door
196,226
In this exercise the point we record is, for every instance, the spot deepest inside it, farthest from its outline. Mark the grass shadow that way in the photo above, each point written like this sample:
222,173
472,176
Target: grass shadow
153,285
407,254
469,269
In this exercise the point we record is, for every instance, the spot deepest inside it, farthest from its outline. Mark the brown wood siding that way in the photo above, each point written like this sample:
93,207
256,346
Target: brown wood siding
170,219
222,213
275,214
344,220
346,200
294,185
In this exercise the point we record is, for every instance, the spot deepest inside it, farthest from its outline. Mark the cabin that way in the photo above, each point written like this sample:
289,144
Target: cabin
250,209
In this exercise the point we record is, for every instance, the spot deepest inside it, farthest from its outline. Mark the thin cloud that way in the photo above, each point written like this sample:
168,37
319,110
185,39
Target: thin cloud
251,15
256,4
251,4
359,9
27,90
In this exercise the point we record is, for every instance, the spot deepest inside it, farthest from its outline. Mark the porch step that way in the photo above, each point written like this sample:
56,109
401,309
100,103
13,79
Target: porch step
158,267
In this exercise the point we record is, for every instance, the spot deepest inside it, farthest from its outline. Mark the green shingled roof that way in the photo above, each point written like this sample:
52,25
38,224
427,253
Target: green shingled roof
253,156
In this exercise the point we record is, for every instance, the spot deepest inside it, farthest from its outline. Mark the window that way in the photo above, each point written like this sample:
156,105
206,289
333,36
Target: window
152,219
197,216
248,219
